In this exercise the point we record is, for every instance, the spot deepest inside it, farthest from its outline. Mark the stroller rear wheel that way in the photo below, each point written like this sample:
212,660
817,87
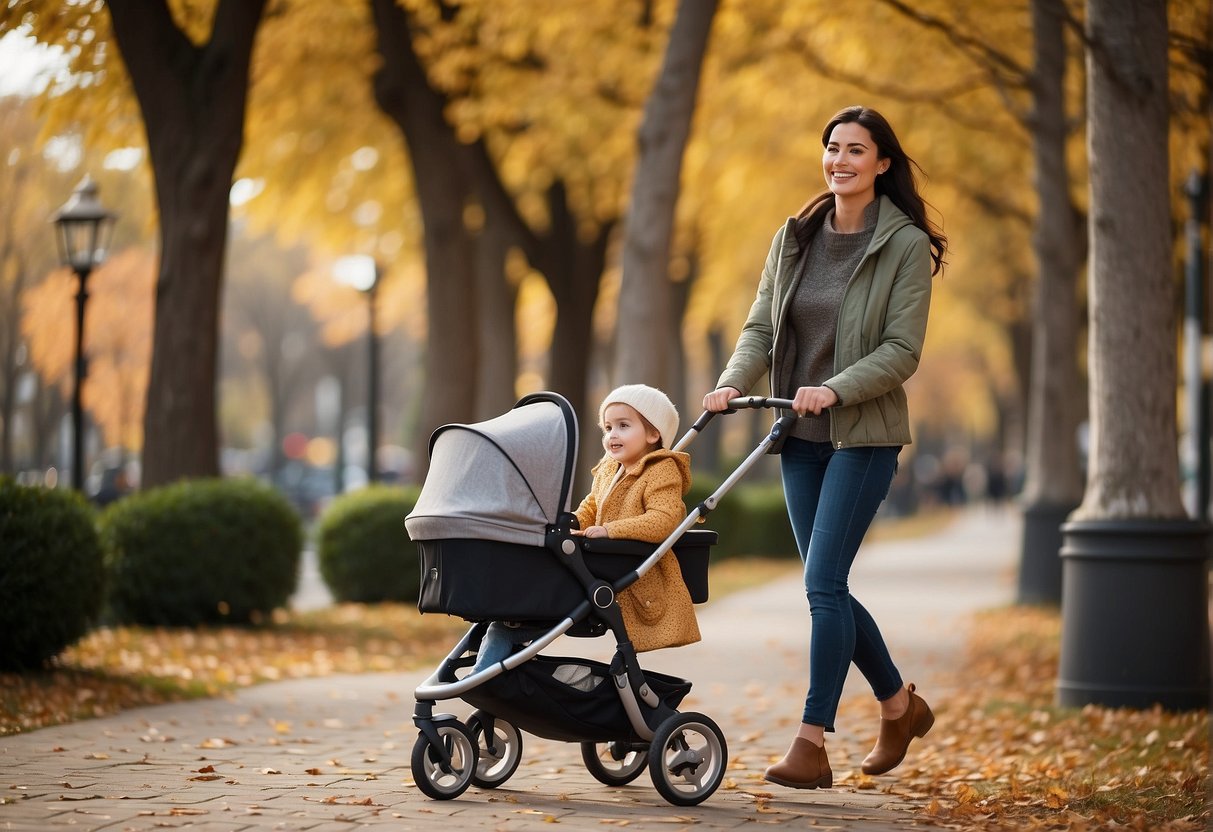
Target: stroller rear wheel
495,764
687,759
435,778
614,763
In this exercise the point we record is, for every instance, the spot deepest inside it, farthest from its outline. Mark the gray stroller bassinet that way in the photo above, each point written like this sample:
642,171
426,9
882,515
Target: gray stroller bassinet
493,526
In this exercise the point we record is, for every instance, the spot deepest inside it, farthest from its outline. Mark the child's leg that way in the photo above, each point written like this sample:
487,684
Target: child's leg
497,643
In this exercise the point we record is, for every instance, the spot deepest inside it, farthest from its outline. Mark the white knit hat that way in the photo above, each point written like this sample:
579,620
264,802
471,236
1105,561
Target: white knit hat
650,403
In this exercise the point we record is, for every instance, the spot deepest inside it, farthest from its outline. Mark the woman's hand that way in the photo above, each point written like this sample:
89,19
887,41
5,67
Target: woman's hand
718,399
813,400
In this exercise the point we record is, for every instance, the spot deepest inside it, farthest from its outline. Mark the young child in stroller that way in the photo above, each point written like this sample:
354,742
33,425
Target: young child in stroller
637,494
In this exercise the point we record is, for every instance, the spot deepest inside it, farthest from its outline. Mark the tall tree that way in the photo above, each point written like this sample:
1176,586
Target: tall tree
192,97
1132,294
1135,607
25,245
644,296
1053,486
405,95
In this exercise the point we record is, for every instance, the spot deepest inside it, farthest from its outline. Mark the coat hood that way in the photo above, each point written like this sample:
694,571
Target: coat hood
680,458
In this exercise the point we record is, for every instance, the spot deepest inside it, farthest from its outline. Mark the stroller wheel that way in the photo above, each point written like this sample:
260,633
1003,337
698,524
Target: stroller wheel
687,759
614,763
437,779
497,764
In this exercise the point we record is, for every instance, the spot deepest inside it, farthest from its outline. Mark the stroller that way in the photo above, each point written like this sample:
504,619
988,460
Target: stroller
493,528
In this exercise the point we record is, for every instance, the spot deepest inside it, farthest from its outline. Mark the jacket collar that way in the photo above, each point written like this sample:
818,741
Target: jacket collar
889,220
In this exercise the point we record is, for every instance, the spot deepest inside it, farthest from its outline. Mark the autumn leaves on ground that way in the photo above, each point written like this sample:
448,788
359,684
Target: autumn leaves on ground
1001,755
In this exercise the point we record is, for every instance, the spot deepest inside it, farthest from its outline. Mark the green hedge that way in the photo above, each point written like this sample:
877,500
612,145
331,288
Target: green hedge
364,551
751,520
52,573
201,552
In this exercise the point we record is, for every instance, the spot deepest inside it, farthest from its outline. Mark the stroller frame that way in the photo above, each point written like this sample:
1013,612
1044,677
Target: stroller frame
449,756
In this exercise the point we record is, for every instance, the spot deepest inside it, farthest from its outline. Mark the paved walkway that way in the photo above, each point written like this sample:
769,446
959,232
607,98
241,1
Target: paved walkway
333,753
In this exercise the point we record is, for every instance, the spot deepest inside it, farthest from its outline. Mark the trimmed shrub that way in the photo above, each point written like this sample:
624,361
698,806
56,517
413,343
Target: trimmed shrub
201,552
52,576
765,527
364,551
749,520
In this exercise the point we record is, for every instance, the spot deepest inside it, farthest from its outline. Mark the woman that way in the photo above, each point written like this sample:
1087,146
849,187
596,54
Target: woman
838,323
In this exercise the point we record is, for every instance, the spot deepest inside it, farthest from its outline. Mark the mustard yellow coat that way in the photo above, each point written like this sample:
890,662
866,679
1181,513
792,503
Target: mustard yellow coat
646,504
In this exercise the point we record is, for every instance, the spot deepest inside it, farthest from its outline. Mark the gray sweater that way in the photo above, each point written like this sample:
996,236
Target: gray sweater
822,275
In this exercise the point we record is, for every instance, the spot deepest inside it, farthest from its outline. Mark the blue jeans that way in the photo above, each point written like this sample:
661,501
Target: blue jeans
832,497
500,641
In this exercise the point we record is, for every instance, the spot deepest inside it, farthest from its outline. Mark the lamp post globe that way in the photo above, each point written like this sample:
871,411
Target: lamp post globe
84,227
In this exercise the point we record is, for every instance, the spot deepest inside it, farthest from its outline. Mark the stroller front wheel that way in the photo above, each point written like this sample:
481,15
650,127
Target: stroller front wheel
687,759
437,779
496,761
613,763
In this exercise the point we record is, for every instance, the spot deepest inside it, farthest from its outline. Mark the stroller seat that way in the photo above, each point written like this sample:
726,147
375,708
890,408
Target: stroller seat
488,580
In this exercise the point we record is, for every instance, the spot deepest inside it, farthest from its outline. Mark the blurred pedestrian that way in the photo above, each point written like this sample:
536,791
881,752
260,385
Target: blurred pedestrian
838,324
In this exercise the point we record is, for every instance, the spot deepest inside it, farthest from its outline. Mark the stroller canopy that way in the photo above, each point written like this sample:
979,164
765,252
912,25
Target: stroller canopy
505,479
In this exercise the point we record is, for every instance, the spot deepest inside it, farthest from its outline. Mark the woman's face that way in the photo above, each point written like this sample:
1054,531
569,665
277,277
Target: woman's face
624,434
851,163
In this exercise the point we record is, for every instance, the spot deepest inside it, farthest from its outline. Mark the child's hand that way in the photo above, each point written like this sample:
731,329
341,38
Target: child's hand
595,531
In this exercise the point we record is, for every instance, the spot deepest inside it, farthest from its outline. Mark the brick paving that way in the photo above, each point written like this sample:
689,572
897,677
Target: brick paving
333,753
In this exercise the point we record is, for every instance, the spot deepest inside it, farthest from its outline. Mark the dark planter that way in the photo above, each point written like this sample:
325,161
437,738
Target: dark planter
1135,615
1040,558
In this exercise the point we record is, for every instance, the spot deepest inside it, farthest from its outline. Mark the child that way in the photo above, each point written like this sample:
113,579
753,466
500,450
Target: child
636,495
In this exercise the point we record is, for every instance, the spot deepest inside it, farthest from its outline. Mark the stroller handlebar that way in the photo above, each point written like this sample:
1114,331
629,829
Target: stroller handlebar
739,403
744,402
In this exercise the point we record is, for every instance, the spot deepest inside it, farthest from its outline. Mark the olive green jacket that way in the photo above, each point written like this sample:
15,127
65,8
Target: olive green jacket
882,322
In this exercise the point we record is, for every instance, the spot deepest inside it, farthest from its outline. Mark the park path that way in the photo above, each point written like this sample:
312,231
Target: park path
333,753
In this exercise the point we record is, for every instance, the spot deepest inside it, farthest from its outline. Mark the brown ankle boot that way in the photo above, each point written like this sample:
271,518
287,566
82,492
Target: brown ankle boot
805,766
895,735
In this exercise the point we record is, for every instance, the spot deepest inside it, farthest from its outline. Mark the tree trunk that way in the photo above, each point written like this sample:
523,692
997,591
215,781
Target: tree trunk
573,270
497,367
677,381
644,300
10,339
1055,407
403,92
1134,468
1053,486
193,104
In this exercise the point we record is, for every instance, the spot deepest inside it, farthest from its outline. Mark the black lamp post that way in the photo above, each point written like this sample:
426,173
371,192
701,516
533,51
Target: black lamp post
84,231
362,272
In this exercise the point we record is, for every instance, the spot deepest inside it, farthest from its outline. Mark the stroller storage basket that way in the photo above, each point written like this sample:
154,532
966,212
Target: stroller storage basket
483,580
537,697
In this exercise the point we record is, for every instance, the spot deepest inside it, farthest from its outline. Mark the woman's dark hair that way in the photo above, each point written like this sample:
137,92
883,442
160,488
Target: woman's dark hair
897,183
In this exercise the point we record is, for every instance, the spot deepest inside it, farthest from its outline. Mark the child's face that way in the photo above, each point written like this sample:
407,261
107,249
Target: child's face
624,434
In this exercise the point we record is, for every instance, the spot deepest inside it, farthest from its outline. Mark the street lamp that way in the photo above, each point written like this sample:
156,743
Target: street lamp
84,231
362,272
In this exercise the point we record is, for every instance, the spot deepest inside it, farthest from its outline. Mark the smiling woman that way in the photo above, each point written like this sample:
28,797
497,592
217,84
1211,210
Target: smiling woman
838,326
